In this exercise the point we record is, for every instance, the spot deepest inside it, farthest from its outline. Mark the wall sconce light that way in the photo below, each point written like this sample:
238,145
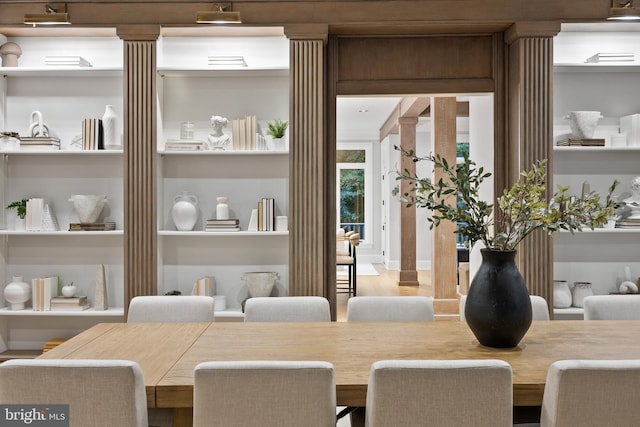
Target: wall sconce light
624,10
222,15
56,14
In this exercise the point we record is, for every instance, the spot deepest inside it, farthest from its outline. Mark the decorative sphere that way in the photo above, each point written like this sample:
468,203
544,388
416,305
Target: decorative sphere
17,293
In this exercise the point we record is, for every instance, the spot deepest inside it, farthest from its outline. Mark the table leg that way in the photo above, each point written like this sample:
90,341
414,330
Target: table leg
357,417
183,417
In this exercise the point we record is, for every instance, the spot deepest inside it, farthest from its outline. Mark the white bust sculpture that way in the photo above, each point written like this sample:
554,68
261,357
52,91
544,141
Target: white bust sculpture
217,139
633,202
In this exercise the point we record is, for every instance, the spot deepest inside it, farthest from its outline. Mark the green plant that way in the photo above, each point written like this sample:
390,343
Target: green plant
520,210
277,128
20,207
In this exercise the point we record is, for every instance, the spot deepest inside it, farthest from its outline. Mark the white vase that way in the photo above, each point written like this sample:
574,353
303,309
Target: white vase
562,297
583,123
185,211
88,206
581,290
260,284
222,208
17,293
110,134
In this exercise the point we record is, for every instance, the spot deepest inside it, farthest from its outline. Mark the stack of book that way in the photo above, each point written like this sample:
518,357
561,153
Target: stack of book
581,142
184,145
266,216
41,289
203,286
628,223
29,143
69,304
67,61
40,216
222,225
94,226
92,134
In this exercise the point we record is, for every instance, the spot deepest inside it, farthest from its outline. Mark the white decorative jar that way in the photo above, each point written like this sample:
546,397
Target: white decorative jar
222,209
185,211
17,293
88,206
583,123
581,290
110,132
562,297
260,284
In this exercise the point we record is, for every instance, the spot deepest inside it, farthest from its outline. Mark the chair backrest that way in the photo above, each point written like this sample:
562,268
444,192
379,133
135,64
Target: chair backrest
265,394
591,393
389,309
287,309
461,393
539,307
171,308
98,392
612,307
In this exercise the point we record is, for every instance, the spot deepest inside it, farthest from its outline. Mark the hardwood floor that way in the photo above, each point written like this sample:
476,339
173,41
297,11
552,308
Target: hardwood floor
385,284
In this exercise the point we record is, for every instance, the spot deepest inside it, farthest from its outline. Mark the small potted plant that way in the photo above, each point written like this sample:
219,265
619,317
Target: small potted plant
276,129
21,210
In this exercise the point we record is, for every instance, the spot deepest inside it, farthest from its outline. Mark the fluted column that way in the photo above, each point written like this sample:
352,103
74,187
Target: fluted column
530,134
140,252
312,174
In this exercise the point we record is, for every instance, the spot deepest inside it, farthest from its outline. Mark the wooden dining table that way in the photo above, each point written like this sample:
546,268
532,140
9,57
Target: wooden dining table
169,352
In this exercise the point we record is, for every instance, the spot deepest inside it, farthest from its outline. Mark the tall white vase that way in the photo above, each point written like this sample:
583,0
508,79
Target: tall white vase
110,129
222,208
185,211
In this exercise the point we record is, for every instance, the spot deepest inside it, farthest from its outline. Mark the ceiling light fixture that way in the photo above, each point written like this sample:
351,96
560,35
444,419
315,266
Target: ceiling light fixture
624,10
222,15
56,14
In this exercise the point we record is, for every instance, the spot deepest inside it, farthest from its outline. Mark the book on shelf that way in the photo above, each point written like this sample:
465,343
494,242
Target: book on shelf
92,134
41,289
32,143
69,301
628,223
221,222
244,134
184,145
94,226
203,286
266,216
67,60
581,142
232,228
40,216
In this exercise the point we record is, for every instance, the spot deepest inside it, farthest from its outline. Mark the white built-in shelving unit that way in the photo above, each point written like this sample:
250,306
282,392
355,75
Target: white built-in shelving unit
189,90
597,256
64,96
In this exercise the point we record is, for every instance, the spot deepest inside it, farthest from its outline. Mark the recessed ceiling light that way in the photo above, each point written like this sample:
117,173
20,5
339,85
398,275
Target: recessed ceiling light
363,111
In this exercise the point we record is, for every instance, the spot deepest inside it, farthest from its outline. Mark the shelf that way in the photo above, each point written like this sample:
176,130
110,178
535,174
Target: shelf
70,72
230,313
90,312
600,150
63,152
61,233
604,230
596,68
223,153
222,72
222,233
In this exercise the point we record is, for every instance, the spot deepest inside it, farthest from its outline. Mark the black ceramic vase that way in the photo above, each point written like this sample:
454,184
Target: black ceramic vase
498,306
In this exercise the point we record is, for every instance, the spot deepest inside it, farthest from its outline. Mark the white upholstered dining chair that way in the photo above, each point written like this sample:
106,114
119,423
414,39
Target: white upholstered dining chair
98,392
539,308
264,394
389,309
591,393
612,307
171,308
287,309
440,393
